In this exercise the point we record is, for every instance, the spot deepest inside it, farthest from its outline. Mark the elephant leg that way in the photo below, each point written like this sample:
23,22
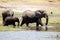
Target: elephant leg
27,24
14,25
3,22
6,25
18,24
46,28
22,23
37,25
40,22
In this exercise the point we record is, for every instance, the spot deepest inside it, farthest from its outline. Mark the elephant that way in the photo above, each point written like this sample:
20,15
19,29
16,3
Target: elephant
34,16
7,13
11,21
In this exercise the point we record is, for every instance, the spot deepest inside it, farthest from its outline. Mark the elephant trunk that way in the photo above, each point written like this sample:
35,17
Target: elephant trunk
18,23
46,16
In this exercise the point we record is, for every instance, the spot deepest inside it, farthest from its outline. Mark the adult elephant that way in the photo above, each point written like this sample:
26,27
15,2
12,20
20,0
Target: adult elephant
11,21
34,16
7,13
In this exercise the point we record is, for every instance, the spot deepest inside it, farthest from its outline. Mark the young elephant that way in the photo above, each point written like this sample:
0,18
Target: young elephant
11,21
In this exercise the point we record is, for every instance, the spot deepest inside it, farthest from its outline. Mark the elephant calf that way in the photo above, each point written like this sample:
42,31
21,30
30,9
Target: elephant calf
11,21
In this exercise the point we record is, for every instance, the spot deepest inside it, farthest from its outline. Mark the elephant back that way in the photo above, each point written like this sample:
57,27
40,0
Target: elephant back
29,13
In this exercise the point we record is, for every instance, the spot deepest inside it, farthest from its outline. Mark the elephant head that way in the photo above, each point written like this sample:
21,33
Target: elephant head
41,14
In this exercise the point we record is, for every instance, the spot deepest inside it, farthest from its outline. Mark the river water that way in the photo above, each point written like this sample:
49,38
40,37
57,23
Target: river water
29,35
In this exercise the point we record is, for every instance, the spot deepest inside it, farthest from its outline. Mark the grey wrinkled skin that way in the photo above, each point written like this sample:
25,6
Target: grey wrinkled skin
7,13
11,21
34,16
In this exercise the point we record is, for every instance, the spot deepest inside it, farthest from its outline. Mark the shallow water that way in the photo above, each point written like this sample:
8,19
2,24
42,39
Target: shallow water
29,35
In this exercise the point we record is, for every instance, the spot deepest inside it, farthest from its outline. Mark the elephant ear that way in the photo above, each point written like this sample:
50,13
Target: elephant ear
41,12
38,12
